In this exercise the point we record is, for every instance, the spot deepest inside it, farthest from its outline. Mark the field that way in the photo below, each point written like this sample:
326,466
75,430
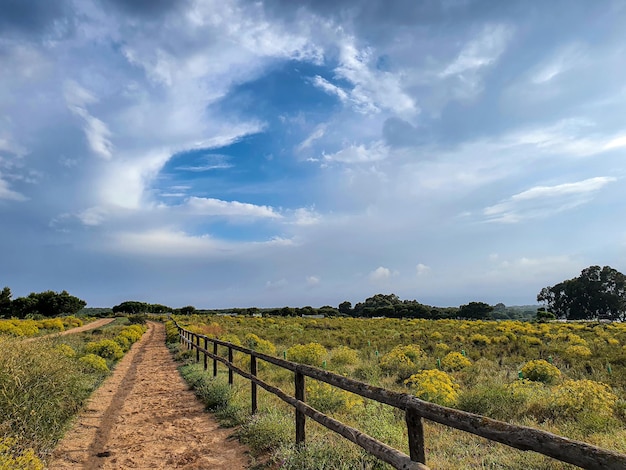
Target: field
567,378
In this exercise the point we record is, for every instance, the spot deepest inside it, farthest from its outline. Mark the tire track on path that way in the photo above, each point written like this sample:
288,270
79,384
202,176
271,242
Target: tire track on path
145,417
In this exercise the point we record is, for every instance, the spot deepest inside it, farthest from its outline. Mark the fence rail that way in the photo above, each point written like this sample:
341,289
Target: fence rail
520,437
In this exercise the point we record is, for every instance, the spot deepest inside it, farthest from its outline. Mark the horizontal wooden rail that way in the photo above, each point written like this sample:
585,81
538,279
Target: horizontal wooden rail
524,438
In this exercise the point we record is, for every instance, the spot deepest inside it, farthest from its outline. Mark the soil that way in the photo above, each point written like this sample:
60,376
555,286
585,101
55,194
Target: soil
144,416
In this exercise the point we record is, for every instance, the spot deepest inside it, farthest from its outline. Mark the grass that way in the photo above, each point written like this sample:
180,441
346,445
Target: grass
43,385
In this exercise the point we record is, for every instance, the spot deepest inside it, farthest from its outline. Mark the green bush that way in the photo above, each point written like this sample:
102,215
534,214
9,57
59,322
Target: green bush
455,361
215,393
541,371
95,362
106,348
311,353
403,361
267,430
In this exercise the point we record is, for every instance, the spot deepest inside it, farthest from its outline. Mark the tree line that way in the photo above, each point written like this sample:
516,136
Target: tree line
46,304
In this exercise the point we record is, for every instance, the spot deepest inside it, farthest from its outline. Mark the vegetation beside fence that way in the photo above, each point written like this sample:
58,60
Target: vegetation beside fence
206,350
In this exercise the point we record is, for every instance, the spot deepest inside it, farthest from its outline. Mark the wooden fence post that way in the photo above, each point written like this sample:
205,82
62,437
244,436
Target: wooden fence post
230,371
206,365
197,342
415,428
214,360
253,384
300,417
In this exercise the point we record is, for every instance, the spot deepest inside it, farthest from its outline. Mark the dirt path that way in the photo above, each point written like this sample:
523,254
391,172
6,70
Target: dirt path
144,416
79,329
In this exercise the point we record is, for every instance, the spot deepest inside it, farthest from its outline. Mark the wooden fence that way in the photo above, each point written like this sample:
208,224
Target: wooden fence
520,437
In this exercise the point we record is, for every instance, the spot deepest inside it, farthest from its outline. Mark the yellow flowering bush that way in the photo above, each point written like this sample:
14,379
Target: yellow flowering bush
343,356
11,459
28,327
403,360
455,361
311,353
532,340
327,399
94,362
7,327
578,351
66,350
106,348
577,396
52,324
71,321
541,371
480,340
171,332
441,348
435,386
264,346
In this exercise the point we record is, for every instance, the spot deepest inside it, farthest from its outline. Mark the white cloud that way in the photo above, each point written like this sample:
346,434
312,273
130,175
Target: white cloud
565,59
318,133
329,88
481,51
7,193
422,269
93,216
380,274
217,207
541,201
306,216
360,153
96,131
478,54
312,281
276,285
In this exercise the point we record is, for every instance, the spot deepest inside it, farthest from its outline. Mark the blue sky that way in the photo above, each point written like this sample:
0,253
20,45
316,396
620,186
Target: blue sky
232,153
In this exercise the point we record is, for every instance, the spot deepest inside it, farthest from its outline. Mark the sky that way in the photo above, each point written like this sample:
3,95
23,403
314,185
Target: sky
269,153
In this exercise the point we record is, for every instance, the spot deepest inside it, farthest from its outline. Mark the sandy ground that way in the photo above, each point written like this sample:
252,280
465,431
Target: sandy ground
89,326
144,416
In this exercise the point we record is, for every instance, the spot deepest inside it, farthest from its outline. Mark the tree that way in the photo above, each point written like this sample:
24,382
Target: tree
188,310
475,311
345,308
132,307
598,293
5,303
48,304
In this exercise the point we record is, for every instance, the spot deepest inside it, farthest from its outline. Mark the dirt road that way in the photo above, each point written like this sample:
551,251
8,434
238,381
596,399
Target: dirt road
144,416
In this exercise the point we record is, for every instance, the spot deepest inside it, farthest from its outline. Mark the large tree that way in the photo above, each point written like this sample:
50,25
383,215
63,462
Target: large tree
48,304
598,293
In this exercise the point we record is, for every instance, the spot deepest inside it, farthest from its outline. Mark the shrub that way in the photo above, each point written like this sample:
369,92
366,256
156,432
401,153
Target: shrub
66,350
312,354
52,324
403,360
343,356
578,351
13,459
106,348
171,332
541,371
573,397
8,328
267,431
455,361
328,399
435,386
255,343
123,341
71,321
95,362
480,340
214,393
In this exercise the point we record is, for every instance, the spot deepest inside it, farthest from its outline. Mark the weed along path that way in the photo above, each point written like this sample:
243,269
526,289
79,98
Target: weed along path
144,416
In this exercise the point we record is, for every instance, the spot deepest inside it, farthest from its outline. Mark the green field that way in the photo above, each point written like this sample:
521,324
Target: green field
576,389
